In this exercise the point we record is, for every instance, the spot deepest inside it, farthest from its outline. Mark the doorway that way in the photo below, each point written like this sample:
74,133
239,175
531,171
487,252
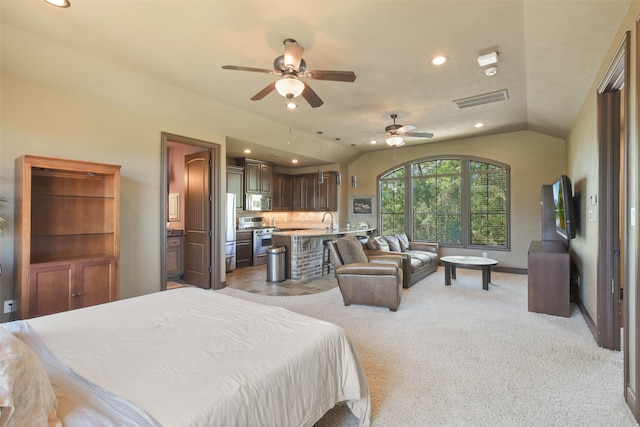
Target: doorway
190,212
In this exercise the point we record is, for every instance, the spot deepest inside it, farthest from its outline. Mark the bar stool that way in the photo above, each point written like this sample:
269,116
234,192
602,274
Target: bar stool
326,256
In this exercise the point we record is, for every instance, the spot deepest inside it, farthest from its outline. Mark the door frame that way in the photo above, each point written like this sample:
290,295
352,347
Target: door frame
216,188
612,121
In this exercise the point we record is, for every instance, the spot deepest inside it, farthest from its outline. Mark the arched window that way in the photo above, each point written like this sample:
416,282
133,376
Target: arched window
455,201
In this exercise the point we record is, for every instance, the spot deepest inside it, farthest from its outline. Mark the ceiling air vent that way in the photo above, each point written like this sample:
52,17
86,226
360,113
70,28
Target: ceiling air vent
485,98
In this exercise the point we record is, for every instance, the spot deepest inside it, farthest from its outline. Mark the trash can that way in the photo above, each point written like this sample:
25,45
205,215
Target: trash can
275,263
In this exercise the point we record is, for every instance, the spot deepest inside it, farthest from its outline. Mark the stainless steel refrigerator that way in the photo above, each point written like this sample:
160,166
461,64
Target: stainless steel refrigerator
230,239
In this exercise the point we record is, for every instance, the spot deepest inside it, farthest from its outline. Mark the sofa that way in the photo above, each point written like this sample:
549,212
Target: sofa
419,259
376,281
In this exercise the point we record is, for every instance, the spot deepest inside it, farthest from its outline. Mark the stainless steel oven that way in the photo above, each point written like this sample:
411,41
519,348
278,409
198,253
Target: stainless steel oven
261,241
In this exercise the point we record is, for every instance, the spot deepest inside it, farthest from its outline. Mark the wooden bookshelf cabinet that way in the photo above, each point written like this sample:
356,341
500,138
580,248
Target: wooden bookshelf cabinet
67,234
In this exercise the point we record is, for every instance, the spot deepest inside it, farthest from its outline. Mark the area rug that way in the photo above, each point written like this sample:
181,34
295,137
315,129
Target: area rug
461,356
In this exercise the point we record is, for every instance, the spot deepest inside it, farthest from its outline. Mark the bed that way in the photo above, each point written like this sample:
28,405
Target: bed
191,357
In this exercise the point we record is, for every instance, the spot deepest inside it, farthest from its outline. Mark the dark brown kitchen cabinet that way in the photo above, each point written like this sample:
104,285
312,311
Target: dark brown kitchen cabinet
257,177
244,249
327,192
299,185
311,195
235,184
282,195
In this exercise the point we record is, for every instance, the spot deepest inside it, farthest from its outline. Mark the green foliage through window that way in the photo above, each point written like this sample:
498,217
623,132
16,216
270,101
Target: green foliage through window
452,201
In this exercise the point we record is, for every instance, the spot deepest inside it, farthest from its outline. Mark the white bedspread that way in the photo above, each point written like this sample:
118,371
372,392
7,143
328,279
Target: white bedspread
191,357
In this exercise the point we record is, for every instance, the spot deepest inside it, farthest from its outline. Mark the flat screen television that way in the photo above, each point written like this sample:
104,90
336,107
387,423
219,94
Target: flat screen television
564,208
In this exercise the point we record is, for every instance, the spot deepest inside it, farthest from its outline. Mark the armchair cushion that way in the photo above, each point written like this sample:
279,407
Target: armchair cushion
351,250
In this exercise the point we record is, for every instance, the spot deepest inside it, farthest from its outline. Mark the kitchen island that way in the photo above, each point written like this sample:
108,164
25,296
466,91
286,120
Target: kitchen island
304,249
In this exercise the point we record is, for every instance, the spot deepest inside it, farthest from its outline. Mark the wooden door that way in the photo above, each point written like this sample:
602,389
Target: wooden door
197,248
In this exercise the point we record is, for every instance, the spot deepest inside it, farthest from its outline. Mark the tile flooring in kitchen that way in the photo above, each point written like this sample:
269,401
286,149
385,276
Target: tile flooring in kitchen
254,279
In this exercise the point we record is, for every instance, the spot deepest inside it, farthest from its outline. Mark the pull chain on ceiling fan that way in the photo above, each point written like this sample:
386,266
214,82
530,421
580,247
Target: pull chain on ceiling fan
290,66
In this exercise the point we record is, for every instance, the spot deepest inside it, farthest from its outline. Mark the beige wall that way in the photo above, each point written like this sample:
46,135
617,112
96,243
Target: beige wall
49,123
582,166
535,160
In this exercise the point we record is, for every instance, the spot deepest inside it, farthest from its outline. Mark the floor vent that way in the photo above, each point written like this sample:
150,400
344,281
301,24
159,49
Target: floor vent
485,98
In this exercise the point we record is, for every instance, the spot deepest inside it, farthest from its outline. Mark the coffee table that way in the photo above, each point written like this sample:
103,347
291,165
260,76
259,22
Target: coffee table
451,262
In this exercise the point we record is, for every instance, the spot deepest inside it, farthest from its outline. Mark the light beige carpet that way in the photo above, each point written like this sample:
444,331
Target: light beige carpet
462,356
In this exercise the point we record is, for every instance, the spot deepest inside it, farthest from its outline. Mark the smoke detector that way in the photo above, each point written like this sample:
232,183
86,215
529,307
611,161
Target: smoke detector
491,71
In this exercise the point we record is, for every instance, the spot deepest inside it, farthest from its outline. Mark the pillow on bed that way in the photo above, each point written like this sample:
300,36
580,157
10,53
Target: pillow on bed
26,395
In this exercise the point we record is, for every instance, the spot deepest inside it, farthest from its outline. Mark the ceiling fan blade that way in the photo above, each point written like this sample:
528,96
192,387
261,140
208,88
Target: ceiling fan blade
312,98
336,76
256,70
419,134
264,92
292,53
405,129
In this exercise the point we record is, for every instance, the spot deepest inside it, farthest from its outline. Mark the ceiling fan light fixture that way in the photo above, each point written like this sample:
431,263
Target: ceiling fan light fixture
395,141
289,85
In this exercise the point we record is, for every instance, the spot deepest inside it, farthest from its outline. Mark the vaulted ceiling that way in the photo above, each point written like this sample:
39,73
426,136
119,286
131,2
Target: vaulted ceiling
549,55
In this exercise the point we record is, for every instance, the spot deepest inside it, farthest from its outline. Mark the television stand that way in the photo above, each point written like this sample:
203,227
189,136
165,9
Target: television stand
549,278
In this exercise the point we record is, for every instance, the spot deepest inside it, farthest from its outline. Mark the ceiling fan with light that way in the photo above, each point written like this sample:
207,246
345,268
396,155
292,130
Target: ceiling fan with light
395,133
291,66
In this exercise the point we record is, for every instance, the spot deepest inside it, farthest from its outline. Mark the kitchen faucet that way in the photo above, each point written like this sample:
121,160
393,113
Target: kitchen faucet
330,227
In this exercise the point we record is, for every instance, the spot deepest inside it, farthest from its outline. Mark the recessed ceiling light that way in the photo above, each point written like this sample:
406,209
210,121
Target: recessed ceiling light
59,3
373,141
294,160
478,125
439,60
246,151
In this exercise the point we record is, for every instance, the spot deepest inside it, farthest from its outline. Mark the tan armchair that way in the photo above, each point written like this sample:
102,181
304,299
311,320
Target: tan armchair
362,281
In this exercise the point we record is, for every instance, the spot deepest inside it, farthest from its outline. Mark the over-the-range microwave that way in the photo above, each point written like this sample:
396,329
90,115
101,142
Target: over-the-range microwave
258,202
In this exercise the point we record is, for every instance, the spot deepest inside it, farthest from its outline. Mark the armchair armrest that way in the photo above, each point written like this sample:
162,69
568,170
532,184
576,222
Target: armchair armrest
368,269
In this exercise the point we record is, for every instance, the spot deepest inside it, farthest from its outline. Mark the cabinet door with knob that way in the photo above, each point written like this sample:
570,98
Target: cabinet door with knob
62,286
